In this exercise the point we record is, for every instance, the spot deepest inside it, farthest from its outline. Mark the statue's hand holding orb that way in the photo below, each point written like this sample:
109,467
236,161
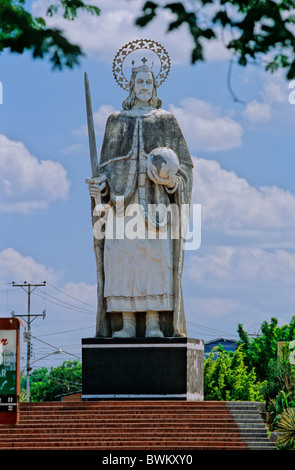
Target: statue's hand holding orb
162,165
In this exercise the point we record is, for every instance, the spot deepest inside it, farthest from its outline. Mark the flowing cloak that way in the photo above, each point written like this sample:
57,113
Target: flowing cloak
127,135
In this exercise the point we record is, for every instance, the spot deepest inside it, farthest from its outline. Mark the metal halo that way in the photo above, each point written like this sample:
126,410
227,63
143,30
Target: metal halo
137,45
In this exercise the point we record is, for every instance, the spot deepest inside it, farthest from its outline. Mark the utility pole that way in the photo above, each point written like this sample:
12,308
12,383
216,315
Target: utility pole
29,288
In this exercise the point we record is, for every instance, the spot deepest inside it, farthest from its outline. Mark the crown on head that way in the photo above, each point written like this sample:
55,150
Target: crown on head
129,48
143,67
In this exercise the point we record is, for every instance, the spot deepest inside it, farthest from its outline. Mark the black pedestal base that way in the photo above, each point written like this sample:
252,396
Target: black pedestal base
142,368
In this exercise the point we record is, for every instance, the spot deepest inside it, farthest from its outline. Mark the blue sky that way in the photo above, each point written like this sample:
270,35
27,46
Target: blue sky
244,270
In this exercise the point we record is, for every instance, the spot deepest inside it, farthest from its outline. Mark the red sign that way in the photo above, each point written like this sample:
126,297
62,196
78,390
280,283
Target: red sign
9,370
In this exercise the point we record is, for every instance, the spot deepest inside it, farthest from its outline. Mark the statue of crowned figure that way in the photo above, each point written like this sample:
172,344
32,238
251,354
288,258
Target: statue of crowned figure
144,165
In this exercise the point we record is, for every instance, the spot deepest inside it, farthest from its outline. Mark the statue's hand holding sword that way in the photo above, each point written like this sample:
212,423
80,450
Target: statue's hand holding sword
97,187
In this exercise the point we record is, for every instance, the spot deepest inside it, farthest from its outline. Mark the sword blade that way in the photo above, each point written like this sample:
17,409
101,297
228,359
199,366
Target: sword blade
91,133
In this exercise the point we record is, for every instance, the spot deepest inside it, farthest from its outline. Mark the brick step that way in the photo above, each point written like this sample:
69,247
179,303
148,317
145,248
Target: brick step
124,442
92,424
139,435
124,412
108,411
140,417
196,430
131,423
128,447
129,419
118,433
136,425
106,433
127,403
130,440
123,430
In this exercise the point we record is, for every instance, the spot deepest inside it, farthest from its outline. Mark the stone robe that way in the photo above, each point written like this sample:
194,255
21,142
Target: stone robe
130,135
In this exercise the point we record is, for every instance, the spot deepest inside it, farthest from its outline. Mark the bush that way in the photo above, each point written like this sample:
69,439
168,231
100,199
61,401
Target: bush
286,430
51,385
226,377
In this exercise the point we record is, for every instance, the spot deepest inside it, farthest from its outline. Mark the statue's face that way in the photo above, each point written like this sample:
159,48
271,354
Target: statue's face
143,86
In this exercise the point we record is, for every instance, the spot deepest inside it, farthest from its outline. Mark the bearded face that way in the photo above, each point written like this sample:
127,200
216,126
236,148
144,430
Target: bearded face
142,91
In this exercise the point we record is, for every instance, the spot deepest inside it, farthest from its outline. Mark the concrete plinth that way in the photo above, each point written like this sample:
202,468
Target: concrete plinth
142,368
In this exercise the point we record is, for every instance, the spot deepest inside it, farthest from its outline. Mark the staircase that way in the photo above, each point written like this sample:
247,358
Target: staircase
250,424
136,425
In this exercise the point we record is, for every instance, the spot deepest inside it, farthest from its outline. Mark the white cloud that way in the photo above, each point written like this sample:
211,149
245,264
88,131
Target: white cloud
99,120
257,111
240,267
244,271
16,267
231,206
118,17
272,101
70,308
26,183
73,148
204,127
240,284
273,92
202,124
100,117
101,37
85,294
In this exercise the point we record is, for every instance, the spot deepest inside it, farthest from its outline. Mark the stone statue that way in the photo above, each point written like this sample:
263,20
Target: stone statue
144,163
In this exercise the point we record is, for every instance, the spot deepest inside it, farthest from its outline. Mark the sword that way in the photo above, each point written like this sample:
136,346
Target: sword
92,141
91,133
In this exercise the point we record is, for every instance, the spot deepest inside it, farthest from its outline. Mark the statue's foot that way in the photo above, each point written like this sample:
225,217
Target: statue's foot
125,333
154,332
152,325
129,326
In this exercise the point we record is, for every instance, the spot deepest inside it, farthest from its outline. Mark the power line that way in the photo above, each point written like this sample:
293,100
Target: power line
210,329
66,305
55,347
68,295
67,331
29,288
5,291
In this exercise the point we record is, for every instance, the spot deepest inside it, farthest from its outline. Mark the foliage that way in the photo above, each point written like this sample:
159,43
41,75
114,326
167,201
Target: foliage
277,370
261,351
286,429
20,31
280,377
226,377
277,406
51,385
256,28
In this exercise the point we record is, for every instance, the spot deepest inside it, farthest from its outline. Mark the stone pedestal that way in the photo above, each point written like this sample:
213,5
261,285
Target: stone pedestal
142,368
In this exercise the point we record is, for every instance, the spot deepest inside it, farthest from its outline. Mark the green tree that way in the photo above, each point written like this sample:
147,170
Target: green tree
280,379
50,385
262,350
20,31
226,377
257,29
